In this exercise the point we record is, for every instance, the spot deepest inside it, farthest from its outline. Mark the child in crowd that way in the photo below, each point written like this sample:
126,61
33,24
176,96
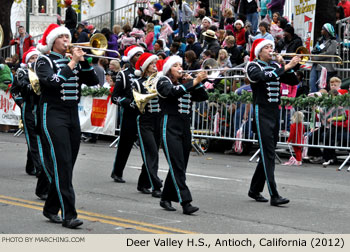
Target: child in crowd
296,136
223,59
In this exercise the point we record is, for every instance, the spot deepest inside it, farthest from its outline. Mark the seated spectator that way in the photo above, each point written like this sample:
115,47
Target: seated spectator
263,28
233,51
215,16
158,47
191,62
212,43
149,36
174,49
303,87
126,40
192,45
206,55
290,41
221,34
223,59
83,35
206,23
114,66
239,33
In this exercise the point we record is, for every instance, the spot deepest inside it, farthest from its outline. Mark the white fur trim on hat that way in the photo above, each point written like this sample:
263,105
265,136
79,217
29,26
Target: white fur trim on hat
239,22
208,19
51,37
132,52
261,45
170,62
148,61
30,54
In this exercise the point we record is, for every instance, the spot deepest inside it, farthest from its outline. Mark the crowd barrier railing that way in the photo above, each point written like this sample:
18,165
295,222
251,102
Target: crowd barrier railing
228,115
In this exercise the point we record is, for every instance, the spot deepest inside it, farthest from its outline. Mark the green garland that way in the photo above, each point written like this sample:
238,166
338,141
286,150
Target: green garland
4,87
325,100
95,92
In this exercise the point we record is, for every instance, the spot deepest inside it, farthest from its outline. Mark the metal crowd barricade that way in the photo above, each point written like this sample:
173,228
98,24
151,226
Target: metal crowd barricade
222,119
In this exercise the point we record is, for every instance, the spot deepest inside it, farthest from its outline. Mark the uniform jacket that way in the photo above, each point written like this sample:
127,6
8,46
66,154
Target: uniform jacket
122,93
265,80
59,84
153,104
177,99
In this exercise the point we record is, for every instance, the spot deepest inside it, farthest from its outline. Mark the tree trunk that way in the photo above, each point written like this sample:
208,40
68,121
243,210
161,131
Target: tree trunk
5,19
325,13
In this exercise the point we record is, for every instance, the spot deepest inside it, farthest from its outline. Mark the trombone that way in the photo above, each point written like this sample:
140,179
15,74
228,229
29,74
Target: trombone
98,45
305,55
212,67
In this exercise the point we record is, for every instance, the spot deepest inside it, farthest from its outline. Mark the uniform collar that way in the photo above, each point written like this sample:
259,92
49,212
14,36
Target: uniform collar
262,62
57,54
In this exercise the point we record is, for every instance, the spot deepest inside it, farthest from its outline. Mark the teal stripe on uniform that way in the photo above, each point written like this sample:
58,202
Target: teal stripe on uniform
143,150
53,156
260,145
26,133
166,150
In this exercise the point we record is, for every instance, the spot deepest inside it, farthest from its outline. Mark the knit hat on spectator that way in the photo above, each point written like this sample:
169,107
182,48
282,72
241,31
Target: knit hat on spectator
330,29
289,29
131,51
31,51
143,62
239,22
169,62
258,45
52,32
208,19
158,6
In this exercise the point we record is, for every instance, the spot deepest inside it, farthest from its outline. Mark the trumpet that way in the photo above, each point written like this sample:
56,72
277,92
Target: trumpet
305,55
98,45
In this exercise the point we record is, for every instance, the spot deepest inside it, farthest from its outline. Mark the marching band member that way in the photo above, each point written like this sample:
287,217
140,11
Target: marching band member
60,82
265,76
26,98
176,104
122,95
148,127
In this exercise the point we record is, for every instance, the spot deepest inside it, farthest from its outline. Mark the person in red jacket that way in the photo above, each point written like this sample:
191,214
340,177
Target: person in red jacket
346,6
239,33
296,136
23,42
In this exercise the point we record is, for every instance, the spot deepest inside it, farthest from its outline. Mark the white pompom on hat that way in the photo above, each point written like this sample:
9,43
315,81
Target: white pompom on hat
143,62
31,51
52,32
131,51
169,62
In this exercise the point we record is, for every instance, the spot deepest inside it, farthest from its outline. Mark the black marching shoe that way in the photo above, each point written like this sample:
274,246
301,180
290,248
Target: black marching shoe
189,209
257,196
52,217
156,193
276,201
118,179
42,196
167,205
143,190
72,223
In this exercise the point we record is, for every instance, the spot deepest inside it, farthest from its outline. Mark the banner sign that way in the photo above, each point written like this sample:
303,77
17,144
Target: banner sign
10,113
97,115
304,12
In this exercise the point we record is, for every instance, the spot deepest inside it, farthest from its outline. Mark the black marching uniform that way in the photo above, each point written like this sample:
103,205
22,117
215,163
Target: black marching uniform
265,80
176,104
148,128
60,95
28,100
122,95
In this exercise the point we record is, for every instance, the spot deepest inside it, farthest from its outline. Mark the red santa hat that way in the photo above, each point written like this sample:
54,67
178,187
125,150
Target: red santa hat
131,51
160,64
31,51
258,45
68,2
169,62
52,32
143,62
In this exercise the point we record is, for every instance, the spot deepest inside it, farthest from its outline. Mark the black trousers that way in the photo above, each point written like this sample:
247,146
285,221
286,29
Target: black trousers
267,127
33,159
43,174
127,137
61,135
148,127
176,139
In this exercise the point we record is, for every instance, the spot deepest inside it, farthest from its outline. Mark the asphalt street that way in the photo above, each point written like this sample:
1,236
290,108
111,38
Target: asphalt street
219,184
